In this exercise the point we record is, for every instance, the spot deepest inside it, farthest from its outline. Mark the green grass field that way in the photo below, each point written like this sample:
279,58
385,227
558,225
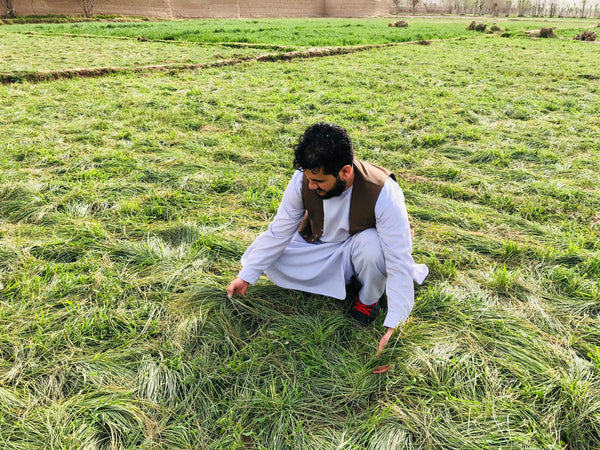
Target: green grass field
127,200
310,32
303,32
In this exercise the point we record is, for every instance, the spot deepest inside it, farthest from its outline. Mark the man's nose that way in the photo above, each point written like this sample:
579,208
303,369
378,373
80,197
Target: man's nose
312,185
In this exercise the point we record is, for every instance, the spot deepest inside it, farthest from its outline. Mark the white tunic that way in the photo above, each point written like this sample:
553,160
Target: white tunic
324,267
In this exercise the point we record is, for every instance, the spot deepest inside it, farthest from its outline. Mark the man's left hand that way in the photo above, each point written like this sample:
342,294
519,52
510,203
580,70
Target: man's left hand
386,337
382,343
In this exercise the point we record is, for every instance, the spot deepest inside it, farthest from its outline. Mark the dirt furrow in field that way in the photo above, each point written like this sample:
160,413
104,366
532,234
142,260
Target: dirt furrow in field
316,52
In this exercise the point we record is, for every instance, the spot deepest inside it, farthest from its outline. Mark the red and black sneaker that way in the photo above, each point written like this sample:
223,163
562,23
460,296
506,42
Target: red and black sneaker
364,314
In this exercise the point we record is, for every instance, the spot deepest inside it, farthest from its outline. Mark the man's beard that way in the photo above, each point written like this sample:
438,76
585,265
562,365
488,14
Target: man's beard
335,191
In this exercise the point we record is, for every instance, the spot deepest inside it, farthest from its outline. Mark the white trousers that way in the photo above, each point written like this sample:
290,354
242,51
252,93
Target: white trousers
326,268
368,265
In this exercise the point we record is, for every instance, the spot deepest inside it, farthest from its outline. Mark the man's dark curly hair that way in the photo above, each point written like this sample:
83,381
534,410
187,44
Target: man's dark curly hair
324,145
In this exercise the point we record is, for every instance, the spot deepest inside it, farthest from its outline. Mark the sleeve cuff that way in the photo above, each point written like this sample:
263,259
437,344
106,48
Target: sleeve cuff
249,275
392,320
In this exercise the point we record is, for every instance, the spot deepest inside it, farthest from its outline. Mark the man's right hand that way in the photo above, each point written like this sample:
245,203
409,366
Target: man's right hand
237,286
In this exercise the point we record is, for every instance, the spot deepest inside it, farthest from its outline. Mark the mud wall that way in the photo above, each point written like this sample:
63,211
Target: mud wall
203,8
210,8
356,8
282,8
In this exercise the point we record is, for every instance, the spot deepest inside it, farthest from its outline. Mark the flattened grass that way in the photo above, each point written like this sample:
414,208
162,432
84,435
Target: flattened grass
126,202
21,52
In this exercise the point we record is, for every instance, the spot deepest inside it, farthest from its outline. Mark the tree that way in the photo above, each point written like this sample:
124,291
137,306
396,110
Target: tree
88,7
448,4
460,6
522,7
538,8
566,11
583,5
413,4
10,8
493,7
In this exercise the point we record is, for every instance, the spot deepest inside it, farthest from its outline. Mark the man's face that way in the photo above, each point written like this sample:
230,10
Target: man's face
325,185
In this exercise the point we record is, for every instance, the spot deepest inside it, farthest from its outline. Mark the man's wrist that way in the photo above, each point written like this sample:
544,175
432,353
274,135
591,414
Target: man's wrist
249,276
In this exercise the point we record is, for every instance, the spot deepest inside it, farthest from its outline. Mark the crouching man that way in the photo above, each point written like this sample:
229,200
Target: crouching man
339,218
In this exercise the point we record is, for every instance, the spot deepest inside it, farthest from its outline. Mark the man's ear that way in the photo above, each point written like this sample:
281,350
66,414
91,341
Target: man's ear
345,172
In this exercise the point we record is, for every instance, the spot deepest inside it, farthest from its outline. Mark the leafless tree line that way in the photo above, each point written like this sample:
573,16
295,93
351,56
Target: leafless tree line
87,7
537,8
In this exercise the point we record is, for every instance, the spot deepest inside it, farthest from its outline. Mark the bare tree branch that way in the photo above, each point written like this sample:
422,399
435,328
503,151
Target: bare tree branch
88,7
10,8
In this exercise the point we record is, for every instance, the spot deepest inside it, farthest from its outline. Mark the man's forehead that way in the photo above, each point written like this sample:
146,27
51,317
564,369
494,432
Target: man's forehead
316,173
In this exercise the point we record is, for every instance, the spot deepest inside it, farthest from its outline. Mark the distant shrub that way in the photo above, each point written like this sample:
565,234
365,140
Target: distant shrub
547,33
496,29
399,23
589,36
474,26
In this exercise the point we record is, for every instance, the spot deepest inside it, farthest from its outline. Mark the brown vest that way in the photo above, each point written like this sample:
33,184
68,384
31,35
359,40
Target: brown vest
368,182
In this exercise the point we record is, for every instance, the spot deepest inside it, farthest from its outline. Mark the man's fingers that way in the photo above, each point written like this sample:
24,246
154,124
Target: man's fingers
385,339
383,342
237,286
382,369
230,290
